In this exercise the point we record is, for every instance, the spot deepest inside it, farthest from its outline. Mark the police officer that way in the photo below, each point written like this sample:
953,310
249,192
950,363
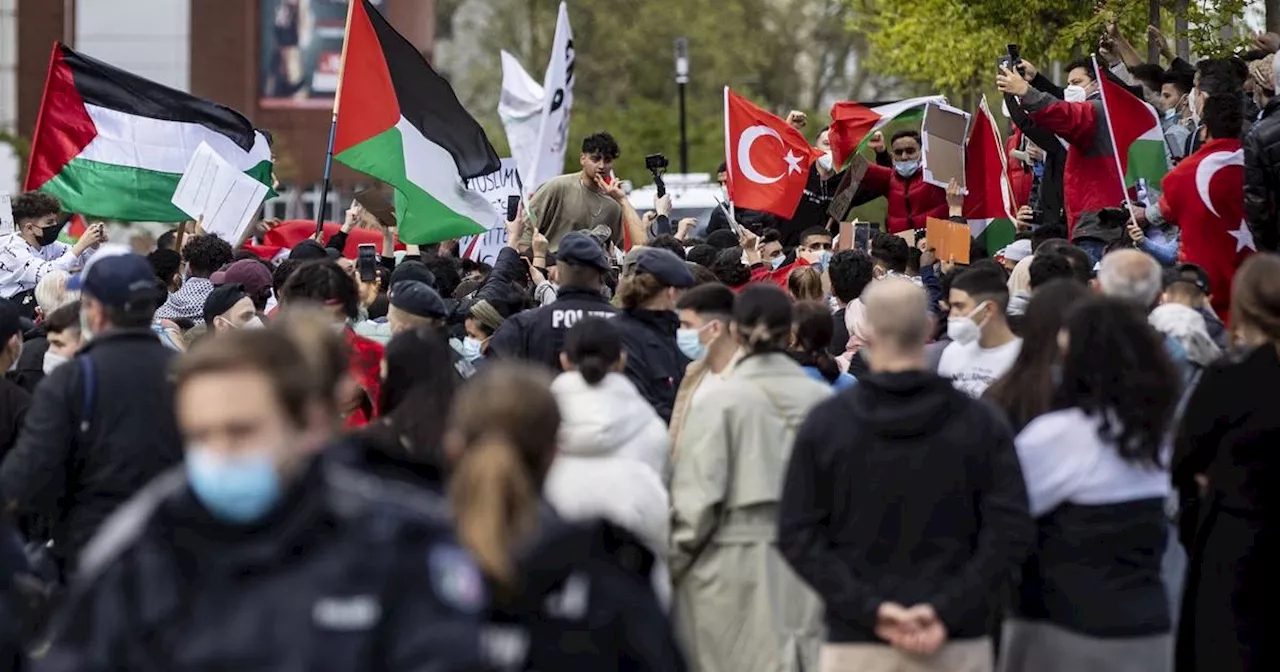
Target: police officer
649,324
538,335
417,305
256,554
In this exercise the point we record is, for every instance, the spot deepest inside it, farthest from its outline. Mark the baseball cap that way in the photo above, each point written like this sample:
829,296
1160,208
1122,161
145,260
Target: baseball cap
664,265
417,298
117,277
310,250
1016,251
1188,273
222,299
578,249
412,270
247,272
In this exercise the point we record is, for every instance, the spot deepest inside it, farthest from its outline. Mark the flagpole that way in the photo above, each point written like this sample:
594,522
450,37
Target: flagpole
333,121
1115,151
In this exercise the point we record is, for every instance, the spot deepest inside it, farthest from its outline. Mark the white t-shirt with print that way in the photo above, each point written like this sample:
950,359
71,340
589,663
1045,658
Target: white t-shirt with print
973,368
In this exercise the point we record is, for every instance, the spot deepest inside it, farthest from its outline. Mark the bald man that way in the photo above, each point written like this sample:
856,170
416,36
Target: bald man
869,517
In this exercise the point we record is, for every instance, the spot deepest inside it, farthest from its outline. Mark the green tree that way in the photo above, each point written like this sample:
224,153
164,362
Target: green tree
782,54
952,45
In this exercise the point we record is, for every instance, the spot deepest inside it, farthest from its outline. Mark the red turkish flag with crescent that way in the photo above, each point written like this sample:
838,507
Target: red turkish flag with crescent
768,160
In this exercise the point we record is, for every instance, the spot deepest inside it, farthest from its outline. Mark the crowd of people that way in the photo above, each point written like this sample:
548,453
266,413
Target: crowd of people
638,444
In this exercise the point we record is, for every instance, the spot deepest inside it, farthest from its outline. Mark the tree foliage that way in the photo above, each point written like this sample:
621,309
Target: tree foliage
952,45
782,54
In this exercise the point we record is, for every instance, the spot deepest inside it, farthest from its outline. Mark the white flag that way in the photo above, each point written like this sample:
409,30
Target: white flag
557,86
520,108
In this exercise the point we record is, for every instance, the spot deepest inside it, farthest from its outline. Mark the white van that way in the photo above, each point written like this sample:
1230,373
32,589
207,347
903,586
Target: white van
692,195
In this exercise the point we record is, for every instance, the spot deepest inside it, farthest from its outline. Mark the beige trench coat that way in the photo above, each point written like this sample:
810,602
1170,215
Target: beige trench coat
738,606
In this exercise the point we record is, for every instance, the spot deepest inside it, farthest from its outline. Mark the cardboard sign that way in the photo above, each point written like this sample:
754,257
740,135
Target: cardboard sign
6,215
842,203
379,204
950,241
942,144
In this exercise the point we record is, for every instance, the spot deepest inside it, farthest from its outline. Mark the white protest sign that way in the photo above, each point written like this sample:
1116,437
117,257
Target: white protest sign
496,188
225,197
6,215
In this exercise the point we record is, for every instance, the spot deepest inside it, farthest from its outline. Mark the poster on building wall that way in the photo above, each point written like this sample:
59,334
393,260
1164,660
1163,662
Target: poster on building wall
301,48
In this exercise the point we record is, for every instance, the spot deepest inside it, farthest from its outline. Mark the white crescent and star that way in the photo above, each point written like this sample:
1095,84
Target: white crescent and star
747,139
1244,237
1209,166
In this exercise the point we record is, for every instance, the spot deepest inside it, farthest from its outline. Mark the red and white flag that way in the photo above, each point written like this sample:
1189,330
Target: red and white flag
988,205
768,160
1204,196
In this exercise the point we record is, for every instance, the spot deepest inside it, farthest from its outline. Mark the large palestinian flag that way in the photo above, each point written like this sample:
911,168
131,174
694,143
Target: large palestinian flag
399,121
112,144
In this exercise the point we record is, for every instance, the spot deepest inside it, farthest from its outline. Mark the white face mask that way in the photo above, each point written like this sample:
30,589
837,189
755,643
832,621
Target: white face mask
254,322
825,161
53,360
964,330
1195,106
1074,94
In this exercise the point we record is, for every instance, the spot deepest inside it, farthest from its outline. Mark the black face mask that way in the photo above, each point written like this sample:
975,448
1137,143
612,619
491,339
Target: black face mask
49,234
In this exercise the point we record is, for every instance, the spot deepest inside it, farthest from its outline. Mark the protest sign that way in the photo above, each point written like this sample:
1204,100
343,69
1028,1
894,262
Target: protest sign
496,188
950,241
842,203
942,144
224,196
6,215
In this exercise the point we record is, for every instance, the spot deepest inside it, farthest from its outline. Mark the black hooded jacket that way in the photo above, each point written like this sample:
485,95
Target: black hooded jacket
902,489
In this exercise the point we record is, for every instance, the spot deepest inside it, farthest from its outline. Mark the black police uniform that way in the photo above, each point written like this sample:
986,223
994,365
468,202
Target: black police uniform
654,364
586,603
538,335
350,572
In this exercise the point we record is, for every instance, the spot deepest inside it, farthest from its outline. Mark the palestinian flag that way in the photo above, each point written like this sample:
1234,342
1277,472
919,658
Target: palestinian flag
111,144
989,204
1135,133
852,124
400,122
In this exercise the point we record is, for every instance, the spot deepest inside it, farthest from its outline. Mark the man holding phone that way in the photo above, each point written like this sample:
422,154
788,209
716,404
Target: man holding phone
34,249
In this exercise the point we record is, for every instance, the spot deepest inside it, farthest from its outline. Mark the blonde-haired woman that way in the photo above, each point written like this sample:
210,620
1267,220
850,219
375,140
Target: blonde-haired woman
564,596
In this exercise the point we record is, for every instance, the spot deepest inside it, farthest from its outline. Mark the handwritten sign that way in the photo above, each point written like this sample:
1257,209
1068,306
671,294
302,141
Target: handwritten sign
496,187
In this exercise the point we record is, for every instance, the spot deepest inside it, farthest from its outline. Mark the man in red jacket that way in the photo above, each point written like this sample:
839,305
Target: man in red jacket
911,199
1091,181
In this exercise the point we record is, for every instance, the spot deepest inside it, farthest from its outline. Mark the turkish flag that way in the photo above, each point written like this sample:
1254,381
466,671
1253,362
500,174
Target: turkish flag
1204,197
768,160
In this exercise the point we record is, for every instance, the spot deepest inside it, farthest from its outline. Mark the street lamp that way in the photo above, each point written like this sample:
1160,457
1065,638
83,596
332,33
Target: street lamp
682,78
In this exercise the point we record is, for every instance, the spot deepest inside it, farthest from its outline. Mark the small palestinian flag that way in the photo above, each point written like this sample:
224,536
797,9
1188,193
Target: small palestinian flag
852,124
989,204
400,122
111,144
1135,132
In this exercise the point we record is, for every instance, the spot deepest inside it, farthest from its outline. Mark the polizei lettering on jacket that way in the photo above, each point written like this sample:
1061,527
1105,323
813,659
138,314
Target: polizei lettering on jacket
564,318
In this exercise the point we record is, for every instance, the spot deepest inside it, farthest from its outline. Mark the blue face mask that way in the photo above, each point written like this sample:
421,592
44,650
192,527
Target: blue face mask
777,261
689,344
471,349
240,489
907,168
823,261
